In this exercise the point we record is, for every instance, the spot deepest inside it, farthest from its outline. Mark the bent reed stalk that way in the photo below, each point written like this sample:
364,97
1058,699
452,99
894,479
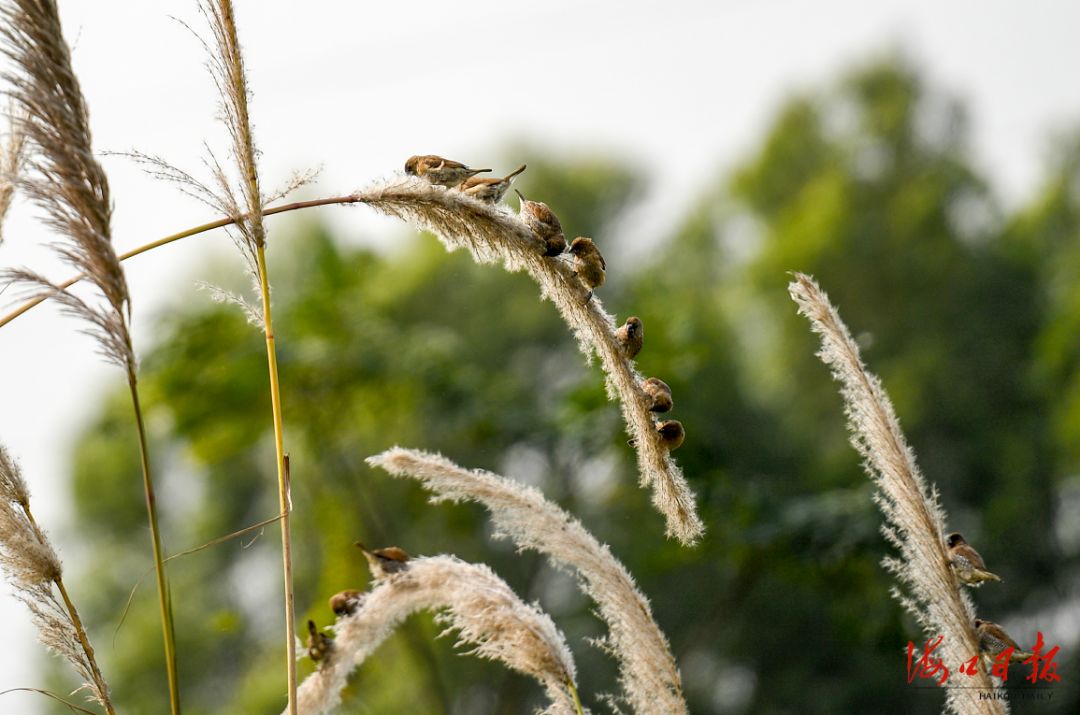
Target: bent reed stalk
915,520
647,671
172,238
470,599
493,233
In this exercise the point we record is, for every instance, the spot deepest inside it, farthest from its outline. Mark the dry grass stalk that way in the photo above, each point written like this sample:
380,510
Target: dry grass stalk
915,521
35,573
648,673
492,233
227,68
472,600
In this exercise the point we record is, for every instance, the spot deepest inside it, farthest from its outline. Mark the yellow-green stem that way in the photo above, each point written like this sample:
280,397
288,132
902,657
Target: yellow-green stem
164,602
574,694
221,222
283,486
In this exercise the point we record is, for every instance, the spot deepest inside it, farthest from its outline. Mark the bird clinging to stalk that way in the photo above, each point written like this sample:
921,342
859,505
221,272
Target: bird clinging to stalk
319,645
659,394
966,562
588,263
440,171
544,224
993,641
490,189
385,562
631,336
672,434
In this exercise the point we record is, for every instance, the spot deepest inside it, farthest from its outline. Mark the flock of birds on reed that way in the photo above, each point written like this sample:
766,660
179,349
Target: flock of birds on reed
970,570
588,263
589,267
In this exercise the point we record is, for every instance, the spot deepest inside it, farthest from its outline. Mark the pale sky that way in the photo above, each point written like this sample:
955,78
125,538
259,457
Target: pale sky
682,89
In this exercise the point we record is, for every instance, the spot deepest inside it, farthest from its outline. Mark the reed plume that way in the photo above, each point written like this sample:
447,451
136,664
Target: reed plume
69,185
34,572
647,671
63,178
914,519
492,233
471,600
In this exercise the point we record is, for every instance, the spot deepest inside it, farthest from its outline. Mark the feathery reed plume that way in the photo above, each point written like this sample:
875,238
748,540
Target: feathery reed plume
470,599
63,178
227,69
226,65
69,185
494,233
11,158
647,671
34,571
915,521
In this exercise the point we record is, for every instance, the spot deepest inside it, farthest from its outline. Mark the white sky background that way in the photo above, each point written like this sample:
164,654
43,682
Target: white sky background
684,89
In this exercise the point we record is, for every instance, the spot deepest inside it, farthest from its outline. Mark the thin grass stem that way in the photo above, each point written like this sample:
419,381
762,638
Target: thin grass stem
71,706
282,473
574,694
164,602
203,228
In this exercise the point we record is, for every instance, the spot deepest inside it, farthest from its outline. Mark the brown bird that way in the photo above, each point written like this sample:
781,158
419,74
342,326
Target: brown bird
346,603
672,434
490,190
319,645
437,170
993,640
966,562
544,224
631,336
385,562
659,394
588,263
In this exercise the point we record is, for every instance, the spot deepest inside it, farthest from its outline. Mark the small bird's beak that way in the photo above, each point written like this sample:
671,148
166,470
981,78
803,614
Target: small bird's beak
519,195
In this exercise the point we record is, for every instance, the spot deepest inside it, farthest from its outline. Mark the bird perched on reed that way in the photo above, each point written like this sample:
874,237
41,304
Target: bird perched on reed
631,336
439,171
544,224
671,434
993,640
319,645
659,394
966,562
588,263
491,189
346,603
385,562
